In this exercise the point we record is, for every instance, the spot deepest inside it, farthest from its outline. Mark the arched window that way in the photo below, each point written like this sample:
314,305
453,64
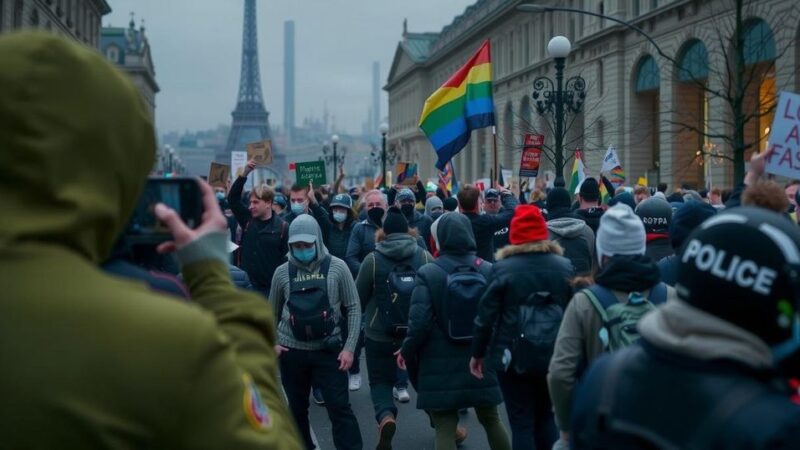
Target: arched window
648,77
693,62
759,44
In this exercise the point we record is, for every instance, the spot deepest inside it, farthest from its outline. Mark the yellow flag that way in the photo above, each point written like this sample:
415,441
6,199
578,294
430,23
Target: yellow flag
642,181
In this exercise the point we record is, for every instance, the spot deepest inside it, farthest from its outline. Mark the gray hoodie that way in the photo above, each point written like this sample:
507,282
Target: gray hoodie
396,247
342,293
569,228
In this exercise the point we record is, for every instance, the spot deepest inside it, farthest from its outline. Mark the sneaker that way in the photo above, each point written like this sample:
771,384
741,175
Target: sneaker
461,435
317,395
386,431
355,381
401,395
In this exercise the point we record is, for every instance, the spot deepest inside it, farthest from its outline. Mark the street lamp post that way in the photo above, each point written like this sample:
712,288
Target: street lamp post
335,141
548,97
384,129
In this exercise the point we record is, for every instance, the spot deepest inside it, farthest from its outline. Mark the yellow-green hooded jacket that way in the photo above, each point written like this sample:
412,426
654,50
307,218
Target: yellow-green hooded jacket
88,360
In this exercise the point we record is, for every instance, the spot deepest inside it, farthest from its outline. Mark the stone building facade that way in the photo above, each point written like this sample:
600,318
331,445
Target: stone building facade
78,19
655,108
129,49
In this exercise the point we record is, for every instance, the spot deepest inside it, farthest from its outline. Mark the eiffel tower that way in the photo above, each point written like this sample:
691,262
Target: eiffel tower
250,118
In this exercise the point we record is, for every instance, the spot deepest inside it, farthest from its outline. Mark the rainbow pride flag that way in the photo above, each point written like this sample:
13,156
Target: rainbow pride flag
463,103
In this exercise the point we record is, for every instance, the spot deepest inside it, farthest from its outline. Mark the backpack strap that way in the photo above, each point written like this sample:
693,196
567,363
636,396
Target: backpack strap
601,299
325,265
658,294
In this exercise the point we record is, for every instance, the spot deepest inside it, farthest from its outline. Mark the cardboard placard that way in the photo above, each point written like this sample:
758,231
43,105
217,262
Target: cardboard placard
312,171
219,174
261,152
784,138
406,172
531,155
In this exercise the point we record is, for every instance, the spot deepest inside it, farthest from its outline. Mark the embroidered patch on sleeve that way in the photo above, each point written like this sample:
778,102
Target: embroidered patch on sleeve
254,407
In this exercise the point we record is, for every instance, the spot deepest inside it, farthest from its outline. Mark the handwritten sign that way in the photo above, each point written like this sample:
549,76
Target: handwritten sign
784,137
261,152
219,174
238,161
531,155
312,171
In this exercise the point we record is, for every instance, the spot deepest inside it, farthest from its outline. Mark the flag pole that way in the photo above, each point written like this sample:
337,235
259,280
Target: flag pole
494,156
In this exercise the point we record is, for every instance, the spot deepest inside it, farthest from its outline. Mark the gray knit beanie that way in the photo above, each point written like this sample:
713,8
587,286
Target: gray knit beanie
433,202
621,232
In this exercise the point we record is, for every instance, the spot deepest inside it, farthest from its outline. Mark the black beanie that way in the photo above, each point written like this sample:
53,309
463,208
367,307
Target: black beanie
656,215
625,198
742,266
450,204
558,198
395,222
590,190
686,218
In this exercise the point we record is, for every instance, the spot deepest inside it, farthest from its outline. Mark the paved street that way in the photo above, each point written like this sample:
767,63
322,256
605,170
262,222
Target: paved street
413,429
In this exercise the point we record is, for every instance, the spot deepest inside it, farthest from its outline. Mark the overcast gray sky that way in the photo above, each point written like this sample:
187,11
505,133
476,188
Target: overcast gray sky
196,47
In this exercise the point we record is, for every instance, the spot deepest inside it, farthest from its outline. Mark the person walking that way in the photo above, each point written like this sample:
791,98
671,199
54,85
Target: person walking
570,232
444,383
656,215
528,283
628,282
484,226
264,235
385,284
310,293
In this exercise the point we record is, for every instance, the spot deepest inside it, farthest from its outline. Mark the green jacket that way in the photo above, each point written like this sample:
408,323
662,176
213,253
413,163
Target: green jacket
89,360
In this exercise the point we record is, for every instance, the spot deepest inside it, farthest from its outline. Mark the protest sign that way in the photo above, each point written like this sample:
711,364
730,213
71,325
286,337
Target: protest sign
406,172
506,176
219,174
483,184
369,183
784,138
238,162
312,171
531,155
261,152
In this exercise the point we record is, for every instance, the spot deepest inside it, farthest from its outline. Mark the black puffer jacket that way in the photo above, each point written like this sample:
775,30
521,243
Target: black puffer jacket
443,381
484,226
520,270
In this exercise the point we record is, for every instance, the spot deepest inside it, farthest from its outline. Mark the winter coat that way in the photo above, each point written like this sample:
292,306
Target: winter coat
591,216
239,277
668,267
335,239
659,248
485,225
443,379
264,242
423,224
398,248
577,240
362,243
520,270
91,360
578,343
688,363
341,290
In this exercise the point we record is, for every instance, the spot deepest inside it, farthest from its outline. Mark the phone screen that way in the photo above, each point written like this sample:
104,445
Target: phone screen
180,194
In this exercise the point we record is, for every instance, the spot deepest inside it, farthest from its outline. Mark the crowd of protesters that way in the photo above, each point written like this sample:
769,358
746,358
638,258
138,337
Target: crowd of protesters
654,320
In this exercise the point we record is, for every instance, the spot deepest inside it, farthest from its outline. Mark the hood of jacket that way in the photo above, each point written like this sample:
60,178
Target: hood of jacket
397,246
682,329
306,224
77,142
566,227
628,273
529,247
454,234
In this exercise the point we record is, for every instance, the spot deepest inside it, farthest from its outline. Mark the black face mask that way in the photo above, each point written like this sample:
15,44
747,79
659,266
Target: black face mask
408,210
376,216
436,215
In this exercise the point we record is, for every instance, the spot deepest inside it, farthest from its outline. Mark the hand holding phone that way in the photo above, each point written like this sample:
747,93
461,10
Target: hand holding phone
212,221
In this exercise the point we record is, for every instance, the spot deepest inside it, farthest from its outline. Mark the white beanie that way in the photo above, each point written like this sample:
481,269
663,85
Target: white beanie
621,232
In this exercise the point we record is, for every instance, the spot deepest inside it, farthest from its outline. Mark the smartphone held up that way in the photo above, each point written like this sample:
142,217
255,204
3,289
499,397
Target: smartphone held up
180,194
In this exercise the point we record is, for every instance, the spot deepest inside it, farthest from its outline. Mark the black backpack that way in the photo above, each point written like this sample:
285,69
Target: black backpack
464,287
538,321
394,284
311,317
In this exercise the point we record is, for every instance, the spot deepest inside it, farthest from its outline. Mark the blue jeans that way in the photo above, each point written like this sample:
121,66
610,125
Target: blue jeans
530,412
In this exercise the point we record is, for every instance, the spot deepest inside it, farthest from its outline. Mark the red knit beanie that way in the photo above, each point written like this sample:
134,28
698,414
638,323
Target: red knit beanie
528,225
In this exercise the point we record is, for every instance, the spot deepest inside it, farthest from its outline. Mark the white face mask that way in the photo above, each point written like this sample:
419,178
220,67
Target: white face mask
339,217
298,208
